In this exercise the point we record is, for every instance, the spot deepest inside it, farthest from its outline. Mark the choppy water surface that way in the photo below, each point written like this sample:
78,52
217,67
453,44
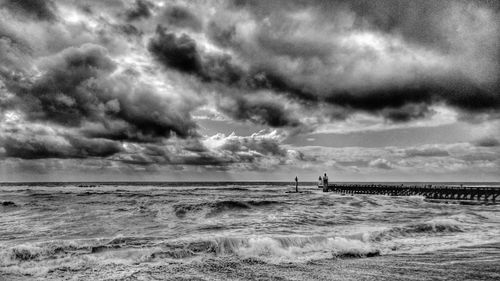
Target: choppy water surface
68,227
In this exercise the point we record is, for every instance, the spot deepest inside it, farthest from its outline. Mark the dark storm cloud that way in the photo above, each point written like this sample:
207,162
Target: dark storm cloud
36,9
259,110
422,26
169,154
488,142
177,52
426,152
261,78
62,94
139,11
405,103
33,149
180,17
76,89
38,146
398,95
397,103
373,100
180,52
149,115
94,147
204,159
473,98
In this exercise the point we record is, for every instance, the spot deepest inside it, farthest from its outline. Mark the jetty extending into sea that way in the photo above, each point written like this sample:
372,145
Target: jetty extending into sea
438,192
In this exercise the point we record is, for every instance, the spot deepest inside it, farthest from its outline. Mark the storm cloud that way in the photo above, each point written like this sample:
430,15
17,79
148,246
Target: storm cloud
389,59
177,52
36,9
488,142
77,89
40,147
151,83
180,17
139,11
260,150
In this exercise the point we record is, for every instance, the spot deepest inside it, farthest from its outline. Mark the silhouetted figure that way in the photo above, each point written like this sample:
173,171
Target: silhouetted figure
320,181
325,182
296,184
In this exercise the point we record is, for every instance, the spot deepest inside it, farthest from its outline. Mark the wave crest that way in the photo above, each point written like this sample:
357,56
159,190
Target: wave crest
265,247
431,227
288,247
215,208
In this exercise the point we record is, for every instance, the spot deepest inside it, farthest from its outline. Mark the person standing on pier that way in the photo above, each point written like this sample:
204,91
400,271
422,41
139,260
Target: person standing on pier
325,182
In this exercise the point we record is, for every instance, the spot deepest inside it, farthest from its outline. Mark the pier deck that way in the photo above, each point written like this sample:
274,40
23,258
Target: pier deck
487,194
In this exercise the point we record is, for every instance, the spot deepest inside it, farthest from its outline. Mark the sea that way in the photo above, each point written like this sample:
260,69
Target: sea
239,231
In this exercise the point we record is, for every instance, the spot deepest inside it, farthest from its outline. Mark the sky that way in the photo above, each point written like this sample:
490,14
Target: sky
150,90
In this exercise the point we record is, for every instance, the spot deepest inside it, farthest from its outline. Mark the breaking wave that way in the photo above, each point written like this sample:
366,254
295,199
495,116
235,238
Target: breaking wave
294,247
215,208
270,248
431,227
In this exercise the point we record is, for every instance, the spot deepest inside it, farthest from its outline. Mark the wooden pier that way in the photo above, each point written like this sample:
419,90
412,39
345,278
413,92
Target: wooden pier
486,194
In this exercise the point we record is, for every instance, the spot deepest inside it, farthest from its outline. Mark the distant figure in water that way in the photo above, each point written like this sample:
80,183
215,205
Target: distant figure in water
320,181
296,184
325,181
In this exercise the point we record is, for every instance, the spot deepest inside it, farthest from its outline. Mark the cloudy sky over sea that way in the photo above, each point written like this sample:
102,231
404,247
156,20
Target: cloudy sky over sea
250,90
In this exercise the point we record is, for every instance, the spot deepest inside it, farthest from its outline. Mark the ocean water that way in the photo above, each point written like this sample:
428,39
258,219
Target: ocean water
221,231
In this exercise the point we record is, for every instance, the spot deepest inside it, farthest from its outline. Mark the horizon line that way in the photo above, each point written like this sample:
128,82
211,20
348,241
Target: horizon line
244,181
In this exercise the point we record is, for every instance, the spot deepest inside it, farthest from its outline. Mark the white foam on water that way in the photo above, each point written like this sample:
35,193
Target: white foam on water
303,248
293,248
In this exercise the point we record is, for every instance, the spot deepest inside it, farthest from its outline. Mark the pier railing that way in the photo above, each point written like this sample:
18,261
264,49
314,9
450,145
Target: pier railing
488,194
